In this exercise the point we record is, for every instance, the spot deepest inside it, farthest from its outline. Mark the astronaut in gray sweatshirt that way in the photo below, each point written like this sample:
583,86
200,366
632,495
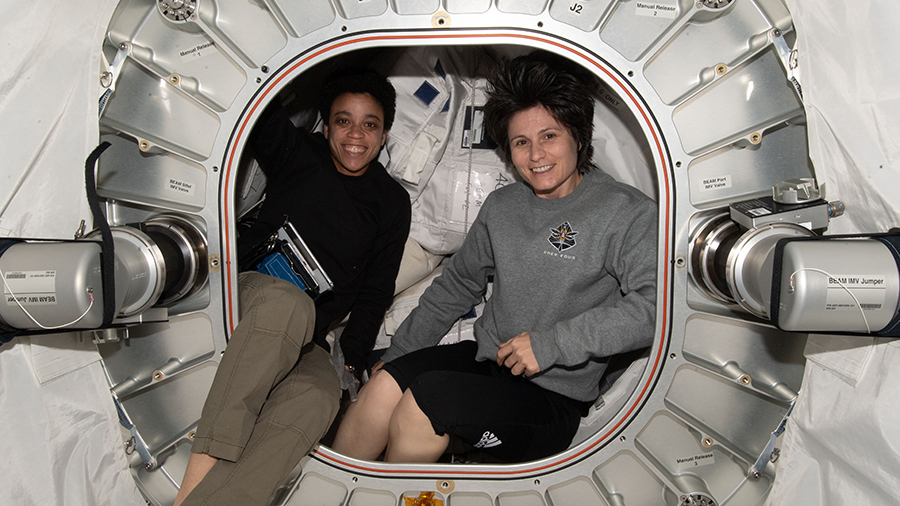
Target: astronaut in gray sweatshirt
573,258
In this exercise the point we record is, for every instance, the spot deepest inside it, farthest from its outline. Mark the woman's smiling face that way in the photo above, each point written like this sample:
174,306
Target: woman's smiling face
544,153
355,132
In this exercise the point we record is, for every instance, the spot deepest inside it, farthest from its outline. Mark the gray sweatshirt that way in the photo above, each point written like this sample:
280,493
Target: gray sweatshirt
578,273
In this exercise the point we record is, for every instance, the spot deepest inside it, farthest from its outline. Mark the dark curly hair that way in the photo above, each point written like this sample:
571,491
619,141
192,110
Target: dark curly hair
544,79
354,80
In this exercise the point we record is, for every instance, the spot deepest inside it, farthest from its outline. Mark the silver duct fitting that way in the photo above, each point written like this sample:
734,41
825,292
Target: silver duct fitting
140,269
734,265
184,251
709,247
732,253
765,247
819,283
750,265
58,285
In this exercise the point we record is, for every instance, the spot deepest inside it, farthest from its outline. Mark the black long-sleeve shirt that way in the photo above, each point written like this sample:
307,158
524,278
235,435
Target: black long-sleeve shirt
356,226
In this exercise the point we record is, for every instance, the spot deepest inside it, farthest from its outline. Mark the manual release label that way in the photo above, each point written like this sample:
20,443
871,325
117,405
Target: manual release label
30,288
703,459
198,51
654,9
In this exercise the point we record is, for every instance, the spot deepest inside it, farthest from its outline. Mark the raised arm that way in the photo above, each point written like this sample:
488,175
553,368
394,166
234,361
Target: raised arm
274,140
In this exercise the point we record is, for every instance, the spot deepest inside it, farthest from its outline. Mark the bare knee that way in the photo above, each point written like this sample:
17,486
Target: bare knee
409,418
412,437
377,400
363,432
381,389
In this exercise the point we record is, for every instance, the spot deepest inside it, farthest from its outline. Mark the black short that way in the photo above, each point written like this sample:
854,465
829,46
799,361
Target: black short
506,416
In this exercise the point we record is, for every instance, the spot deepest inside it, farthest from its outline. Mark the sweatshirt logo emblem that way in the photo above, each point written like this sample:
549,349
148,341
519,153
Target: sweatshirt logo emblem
562,237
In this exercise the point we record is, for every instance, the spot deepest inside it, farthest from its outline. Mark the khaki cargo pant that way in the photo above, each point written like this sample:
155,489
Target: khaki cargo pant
274,396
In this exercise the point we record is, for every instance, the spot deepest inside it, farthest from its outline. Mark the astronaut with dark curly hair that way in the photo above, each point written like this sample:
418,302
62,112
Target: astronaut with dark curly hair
276,392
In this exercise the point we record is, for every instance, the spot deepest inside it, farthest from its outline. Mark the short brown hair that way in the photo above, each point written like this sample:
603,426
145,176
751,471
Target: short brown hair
547,80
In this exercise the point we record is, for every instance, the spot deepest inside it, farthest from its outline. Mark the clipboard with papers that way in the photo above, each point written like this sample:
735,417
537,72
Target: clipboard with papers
285,255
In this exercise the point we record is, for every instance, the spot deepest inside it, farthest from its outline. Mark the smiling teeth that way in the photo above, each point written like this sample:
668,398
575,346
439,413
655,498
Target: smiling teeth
539,170
354,149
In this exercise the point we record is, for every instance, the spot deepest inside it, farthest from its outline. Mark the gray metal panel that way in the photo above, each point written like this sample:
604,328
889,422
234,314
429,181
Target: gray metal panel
352,9
148,107
776,12
406,7
694,463
520,499
180,395
632,32
738,32
585,15
314,488
578,490
748,99
466,6
156,484
248,28
165,180
150,347
367,497
739,171
187,52
523,6
625,479
772,359
469,499
301,18
714,405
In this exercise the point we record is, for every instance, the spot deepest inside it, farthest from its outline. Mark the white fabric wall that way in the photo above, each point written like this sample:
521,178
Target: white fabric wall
842,445
60,443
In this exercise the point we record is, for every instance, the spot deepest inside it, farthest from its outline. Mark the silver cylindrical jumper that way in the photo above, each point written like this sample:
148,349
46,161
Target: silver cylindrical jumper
850,285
